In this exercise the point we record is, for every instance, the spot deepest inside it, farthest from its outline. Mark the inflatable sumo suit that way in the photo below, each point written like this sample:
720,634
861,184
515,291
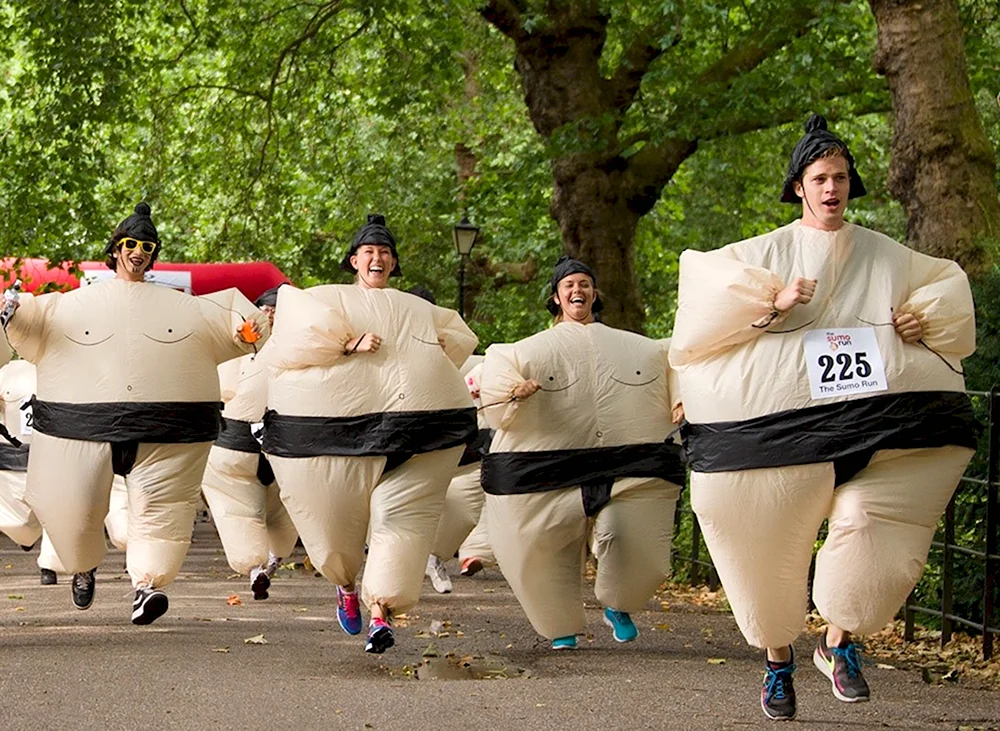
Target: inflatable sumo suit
770,462
127,384
17,520
584,455
462,527
239,484
367,437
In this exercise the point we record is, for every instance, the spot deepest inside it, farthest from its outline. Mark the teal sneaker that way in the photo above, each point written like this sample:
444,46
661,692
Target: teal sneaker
564,643
621,624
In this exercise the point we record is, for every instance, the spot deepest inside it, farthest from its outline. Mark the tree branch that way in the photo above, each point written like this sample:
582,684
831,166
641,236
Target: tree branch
647,46
505,15
653,165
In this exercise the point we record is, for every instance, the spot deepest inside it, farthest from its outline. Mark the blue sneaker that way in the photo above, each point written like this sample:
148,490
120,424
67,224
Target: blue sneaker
349,612
777,693
564,643
380,637
621,624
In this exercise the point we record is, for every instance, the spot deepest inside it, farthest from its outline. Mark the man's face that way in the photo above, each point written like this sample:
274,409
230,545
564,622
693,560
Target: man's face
575,294
269,311
824,189
134,255
374,263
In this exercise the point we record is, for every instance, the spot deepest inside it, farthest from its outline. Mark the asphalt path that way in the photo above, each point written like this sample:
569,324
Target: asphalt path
466,660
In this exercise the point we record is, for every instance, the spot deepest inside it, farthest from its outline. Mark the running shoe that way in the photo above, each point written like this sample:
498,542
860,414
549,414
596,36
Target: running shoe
438,574
150,604
621,624
349,611
83,589
777,694
380,637
842,665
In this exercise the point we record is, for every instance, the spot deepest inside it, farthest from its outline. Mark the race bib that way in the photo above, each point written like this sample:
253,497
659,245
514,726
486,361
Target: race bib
26,418
844,361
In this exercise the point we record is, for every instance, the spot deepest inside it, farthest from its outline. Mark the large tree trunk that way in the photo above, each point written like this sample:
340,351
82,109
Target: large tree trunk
943,166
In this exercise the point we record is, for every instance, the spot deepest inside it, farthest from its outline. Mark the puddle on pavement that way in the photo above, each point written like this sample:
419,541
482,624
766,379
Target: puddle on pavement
464,667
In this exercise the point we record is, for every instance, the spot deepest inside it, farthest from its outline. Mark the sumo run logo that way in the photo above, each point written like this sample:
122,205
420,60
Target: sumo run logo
837,341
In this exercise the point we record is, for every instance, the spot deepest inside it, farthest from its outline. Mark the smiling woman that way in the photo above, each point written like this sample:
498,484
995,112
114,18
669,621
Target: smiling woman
582,413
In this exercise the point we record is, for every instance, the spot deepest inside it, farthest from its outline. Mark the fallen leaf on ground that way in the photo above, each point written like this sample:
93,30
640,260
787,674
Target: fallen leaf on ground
255,640
489,591
15,596
662,627
884,666
716,661
430,651
301,609
234,600
220,649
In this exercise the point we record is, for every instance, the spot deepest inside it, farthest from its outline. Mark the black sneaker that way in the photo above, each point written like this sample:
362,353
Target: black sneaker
260,584
777,694
49,577
842,665
149,605
83,589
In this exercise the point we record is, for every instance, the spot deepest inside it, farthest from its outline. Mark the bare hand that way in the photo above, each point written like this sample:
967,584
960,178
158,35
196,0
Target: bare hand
799,292
525,390
677,414
908,327
367,343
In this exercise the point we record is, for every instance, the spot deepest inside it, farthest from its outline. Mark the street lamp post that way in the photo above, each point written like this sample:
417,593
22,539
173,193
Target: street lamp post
465,235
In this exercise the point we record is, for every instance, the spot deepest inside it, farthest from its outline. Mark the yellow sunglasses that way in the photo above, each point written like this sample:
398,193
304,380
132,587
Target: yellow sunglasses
148,247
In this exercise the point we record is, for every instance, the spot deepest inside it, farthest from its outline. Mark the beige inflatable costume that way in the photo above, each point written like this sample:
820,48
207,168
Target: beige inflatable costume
367,420
239,484
821,371
127,384
462,528
584,457
17,520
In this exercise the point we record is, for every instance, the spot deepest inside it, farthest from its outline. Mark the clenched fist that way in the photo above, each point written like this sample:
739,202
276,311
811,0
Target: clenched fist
799,292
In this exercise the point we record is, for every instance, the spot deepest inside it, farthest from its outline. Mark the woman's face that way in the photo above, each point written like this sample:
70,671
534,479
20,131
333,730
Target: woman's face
374,263
575,295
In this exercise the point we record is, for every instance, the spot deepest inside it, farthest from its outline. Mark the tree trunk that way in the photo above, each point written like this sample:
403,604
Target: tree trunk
943,166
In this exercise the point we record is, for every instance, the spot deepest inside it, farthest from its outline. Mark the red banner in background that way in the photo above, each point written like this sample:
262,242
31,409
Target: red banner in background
252,278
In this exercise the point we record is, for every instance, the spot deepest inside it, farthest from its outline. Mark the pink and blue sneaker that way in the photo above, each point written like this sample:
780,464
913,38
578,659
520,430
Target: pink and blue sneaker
380,636
349,611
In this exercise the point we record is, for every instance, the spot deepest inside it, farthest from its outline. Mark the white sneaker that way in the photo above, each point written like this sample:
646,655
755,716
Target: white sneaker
273,564
438,575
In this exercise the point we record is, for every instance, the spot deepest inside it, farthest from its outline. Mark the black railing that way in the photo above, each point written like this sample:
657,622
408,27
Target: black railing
984,476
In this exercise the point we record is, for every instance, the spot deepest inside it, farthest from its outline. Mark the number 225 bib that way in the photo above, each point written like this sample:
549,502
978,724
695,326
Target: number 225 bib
843,361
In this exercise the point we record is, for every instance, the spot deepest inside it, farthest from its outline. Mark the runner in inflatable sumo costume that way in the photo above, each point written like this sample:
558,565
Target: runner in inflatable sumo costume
127,384
239,484
367,418
821,372
582,412
463,504
17,520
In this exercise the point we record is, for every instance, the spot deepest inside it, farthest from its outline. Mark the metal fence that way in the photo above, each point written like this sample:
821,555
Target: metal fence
981,483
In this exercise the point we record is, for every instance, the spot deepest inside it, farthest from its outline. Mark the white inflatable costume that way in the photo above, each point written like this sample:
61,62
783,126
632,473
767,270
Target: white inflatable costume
584,457
821,413
17,386
239,484
462,527
368,437
127,384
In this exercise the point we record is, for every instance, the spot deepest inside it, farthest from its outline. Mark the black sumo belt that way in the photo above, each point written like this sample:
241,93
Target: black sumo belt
847,433
593,470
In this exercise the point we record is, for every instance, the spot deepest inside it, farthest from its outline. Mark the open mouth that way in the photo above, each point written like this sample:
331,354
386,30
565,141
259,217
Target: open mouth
375,269
578,299
831,203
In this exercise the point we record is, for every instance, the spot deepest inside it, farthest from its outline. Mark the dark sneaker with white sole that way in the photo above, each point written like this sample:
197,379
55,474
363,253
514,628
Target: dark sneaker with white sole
380,637
149,605
83,589
842,665
777,694
260,582
48,577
